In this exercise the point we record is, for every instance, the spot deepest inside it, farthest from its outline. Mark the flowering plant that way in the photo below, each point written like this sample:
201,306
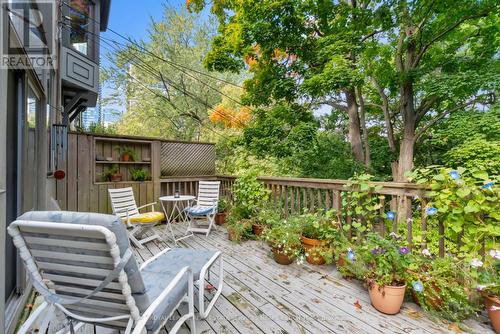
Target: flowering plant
440,286
466,201
385,260
487,274
285,237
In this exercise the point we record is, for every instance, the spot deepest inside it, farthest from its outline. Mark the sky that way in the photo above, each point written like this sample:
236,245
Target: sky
132,17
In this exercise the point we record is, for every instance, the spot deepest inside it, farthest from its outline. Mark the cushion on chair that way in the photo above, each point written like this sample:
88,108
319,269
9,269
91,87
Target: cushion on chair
159,273
199,210
156,277
112,223
177,258
148,217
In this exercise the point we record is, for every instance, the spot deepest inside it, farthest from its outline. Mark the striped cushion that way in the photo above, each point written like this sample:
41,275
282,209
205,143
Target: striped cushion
199,210
149,217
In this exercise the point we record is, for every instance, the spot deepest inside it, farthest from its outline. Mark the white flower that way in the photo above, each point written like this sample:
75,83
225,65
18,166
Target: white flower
394,235
495,253
476,263
481,287
426,252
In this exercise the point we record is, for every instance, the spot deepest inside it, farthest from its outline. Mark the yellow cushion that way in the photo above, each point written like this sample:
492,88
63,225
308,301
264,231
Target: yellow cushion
148,217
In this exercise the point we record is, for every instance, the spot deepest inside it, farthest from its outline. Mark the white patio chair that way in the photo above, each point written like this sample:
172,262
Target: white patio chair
83,266
205,207
124,206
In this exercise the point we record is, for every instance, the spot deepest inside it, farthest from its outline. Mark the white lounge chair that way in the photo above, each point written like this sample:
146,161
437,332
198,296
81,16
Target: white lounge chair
124,206
83,266
205,208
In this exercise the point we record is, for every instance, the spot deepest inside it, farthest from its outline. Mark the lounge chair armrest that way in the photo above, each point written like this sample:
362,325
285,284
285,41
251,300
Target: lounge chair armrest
146,205
139,327
148,261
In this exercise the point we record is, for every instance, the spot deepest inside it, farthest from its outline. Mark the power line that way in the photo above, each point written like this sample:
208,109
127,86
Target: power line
163,97
151,70
153,54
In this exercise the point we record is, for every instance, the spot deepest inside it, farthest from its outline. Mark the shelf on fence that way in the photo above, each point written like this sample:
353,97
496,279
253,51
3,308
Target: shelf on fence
124,162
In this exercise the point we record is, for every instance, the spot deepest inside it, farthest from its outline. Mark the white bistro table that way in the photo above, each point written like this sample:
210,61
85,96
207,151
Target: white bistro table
177,214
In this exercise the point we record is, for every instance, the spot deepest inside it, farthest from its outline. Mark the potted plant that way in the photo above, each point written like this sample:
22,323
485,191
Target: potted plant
238,230
385,263
266,217
488,284
284,239
127,153
139,174
222,208
439,286
319,233
112,174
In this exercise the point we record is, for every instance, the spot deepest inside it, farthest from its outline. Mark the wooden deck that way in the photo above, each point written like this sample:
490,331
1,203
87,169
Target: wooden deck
261,296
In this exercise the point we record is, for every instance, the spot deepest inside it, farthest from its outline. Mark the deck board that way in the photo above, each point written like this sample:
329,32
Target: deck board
261,296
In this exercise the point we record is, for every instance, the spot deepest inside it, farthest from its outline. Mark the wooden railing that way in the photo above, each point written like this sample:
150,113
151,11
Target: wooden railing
293,195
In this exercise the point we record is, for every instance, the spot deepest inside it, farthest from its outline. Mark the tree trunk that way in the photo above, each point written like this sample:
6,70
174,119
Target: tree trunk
362,119
354,126
406,148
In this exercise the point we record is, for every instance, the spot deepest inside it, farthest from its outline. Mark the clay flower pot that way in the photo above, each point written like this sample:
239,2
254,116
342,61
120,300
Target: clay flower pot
311,247
257,229
494,314
387,299
116,178
220,218
125,157
281,258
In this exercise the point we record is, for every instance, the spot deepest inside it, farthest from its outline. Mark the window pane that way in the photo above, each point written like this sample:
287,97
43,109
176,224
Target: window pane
81,24
32,109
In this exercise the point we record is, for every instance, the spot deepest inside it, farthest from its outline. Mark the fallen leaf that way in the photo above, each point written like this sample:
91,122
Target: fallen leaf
316,301
209,287
357,305
415,314
454,327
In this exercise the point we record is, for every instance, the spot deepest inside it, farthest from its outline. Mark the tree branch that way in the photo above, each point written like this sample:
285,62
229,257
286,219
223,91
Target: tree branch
426,46
424,107
387,116
373,33
446,113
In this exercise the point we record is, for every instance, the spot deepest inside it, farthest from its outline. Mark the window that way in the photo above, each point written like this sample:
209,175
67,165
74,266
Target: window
32,109
81,25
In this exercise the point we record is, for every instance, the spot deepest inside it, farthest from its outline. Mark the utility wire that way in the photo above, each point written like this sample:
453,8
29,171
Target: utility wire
152,71
156,93
153,54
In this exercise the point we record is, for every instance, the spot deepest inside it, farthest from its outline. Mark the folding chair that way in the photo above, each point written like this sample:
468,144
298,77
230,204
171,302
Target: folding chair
203,212
83,266
124,206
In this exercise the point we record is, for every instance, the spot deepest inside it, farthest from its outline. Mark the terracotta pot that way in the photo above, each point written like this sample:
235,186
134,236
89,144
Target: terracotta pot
257,229
281,258
220,218
116,178
125,157
494,315
432,297
387,299
311,247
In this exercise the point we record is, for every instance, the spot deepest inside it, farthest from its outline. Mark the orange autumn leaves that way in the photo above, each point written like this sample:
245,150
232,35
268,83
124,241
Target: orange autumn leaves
231,118
278,55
